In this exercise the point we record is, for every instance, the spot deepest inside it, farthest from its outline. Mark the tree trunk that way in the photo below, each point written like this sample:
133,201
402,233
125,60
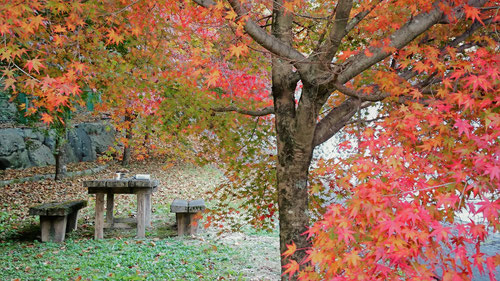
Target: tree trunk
295,132
60,165
127,149
293,207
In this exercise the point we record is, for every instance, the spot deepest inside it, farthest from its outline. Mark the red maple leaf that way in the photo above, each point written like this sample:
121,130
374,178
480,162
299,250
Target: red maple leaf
493,170
34,64
472,13
463,126
291,268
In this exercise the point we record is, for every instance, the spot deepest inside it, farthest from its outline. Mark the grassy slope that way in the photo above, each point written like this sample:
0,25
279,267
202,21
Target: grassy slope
161,256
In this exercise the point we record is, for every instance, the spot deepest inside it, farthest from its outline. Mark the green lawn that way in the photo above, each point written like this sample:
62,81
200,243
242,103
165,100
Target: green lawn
117,259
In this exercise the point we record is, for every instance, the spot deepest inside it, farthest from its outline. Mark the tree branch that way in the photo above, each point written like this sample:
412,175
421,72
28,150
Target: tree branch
378,96
259,112
328,51
365,121
335,120
358,18
263,38
400,38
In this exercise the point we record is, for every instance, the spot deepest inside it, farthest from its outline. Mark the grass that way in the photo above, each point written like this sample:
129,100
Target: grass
117,259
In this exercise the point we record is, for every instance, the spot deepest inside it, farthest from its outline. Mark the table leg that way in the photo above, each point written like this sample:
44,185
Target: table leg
110,201
99,216
148,209
141,214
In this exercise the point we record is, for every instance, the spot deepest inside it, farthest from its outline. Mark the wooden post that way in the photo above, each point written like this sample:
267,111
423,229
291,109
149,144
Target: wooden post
99,216
53,228
110,201
148,209
141,214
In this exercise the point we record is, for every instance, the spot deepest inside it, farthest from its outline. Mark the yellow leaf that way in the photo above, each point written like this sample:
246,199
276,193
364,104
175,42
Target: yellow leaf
353,258
231,15
238,50
213,77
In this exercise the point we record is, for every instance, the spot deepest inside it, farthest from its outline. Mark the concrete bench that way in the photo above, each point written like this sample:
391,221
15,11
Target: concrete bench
57,218
185,215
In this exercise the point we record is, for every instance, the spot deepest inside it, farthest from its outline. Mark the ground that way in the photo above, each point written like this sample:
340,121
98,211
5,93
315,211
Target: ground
257,253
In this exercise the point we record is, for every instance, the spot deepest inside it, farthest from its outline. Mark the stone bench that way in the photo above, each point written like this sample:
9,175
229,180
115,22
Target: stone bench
57,218
185,215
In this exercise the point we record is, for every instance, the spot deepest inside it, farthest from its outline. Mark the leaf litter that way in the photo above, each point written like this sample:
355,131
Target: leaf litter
259,260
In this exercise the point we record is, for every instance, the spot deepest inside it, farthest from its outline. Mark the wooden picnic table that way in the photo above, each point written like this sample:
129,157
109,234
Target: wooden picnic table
142,188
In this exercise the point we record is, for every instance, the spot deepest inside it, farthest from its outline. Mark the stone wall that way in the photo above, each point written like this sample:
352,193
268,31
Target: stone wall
8,110
26,147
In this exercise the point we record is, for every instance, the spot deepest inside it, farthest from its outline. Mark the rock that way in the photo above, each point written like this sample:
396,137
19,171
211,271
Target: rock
13,153
8,110
32,134
81,144
40,155
50,140
69,153
22,148
101,135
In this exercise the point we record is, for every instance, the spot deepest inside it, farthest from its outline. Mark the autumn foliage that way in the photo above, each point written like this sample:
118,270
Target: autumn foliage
427,72
415,172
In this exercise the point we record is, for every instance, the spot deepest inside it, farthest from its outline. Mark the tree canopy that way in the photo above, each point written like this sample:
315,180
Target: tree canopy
425,71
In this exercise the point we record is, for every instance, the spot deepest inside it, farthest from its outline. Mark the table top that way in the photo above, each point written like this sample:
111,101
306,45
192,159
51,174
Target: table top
124,186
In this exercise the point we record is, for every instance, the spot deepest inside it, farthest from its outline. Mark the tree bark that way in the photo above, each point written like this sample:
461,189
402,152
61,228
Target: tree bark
60,172
295,131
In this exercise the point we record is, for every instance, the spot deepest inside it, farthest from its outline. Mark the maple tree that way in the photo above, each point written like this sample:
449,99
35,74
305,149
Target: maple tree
428,69
422,62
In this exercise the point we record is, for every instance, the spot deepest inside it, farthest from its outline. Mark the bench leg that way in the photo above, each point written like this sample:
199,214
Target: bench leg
182,223
193,224
72,221
148,209
53,228
110,201
99,216
187,224
141,214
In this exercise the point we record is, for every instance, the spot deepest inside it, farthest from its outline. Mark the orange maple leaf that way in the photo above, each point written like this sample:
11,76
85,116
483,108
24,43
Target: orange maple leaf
289,6
47,119
291,268
231,15
238,50
114,37
4,28
352,258
213,77
290,250
347,53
